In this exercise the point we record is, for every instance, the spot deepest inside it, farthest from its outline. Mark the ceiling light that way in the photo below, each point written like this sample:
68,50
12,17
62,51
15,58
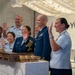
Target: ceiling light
47,7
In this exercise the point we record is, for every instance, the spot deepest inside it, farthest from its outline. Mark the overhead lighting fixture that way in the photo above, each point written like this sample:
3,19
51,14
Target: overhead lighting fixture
35,8
40,6
16,3
57,6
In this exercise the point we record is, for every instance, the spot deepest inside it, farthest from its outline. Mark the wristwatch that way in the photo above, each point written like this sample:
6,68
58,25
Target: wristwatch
51,36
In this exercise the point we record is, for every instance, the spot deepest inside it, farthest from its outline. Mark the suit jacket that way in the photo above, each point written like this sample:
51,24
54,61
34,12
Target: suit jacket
27,46
42,44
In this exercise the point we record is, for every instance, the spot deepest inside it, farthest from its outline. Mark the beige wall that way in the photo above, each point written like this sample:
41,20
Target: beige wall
7,14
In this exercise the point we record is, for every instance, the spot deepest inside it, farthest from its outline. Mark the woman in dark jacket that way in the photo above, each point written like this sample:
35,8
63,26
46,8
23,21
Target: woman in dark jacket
26,42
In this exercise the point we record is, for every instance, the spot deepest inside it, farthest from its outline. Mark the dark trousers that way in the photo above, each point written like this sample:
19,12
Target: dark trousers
61,71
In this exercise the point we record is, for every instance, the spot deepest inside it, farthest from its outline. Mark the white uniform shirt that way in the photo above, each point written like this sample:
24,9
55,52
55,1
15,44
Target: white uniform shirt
8,47
18,32
61,59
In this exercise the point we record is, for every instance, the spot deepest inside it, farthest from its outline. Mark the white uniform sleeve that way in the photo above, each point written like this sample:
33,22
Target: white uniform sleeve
63,41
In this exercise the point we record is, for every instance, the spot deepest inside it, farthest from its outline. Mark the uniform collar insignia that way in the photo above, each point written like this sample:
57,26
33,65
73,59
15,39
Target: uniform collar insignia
41,34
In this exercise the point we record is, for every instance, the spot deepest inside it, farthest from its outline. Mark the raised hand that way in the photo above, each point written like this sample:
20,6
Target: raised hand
4,26
2,43
50,28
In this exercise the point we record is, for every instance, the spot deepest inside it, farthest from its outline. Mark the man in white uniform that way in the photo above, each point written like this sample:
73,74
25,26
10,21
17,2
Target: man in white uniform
17,28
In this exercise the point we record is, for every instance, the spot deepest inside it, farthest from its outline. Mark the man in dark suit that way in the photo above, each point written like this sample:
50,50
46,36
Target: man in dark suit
42,45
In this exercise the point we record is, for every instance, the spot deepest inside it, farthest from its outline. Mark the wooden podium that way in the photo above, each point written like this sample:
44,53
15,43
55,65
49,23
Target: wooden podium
22,64
18,57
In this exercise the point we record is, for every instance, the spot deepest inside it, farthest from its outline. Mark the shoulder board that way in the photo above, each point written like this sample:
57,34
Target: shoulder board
11,26
6,43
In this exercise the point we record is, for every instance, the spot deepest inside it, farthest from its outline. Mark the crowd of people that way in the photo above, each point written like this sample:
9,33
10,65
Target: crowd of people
57,52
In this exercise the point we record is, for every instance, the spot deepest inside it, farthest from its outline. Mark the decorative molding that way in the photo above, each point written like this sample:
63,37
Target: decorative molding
47,7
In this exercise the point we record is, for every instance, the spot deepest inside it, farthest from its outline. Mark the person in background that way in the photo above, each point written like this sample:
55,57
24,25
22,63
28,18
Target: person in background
42,44
1,33
1,38
25,43
17,28
60,57
37,29
8,46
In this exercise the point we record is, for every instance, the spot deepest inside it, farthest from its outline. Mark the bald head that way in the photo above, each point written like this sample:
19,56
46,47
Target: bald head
18,20
41,20
44,17
19,16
